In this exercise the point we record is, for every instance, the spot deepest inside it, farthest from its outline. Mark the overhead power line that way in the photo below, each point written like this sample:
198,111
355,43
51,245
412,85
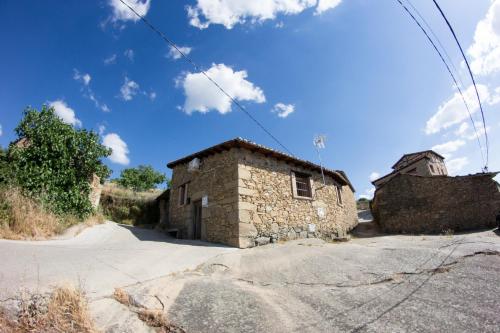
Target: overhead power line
449,71
473,81
198,68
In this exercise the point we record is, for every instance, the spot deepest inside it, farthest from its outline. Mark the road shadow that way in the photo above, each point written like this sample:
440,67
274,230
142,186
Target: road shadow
148,234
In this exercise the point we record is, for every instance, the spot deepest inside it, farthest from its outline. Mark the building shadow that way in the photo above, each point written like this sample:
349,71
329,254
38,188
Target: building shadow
149,234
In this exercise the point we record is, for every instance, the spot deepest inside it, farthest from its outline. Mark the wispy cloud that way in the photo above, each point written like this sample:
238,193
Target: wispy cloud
283,110
374,175
449,147
129,54
110,60
129,89
456,165
81,77
174,54
120,12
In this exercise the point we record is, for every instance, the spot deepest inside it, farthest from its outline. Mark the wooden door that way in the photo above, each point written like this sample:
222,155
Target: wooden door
197,209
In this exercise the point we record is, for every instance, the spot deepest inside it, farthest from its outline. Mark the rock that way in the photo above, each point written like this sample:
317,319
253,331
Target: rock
262,241
303,234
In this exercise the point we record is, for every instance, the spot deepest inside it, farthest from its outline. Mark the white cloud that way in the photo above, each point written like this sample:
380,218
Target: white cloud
119,148
368,194
174,54
455,165
129,53
110,60
203,96
324,5
63,111
283,110
152,95
453,111
485,49
129,89
231,12
1,130
374,175
83,78
449,147
465,131
279,25
123,13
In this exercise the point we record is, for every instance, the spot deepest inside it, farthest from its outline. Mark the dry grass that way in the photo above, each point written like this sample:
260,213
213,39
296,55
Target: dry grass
121,296
157,319
117,191
25,218
22,217
65,310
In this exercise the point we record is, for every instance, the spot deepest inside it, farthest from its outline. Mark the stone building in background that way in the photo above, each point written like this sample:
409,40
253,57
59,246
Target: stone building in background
429,201
423,163
243,194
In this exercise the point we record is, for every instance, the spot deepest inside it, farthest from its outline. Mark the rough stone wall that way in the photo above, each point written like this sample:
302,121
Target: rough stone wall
95,191
268,210
413,204
216,179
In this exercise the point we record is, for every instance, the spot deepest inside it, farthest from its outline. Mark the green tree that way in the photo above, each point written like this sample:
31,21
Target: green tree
55,162
142,178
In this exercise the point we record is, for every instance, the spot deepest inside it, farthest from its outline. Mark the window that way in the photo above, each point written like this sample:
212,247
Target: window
302,185
183,194
432,168
339,194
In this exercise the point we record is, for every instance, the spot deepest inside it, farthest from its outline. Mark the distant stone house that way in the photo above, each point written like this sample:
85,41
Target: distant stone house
423,163
429,201
241,194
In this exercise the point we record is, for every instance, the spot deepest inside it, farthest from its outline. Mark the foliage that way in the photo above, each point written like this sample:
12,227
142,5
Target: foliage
142,178
55,162
5,170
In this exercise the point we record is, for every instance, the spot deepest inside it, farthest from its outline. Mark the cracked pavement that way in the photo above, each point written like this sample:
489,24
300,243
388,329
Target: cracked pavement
374,284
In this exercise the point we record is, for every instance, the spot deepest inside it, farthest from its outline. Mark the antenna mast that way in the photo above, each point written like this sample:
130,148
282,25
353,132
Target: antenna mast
319,143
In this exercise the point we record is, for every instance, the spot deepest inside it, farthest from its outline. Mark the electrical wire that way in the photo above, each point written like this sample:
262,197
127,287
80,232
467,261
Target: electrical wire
451,74
473,81
188,59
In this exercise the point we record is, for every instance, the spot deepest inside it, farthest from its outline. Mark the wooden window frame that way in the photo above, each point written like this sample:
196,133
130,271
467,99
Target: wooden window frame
339,189
183,194
309,183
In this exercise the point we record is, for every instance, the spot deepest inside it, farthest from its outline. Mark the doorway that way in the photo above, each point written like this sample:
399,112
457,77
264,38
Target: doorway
197,209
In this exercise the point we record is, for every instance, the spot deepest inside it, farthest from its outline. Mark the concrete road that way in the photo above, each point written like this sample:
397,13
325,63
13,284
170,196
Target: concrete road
373,284
98,259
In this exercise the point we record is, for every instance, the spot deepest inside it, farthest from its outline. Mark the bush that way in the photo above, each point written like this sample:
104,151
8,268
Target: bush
55,162
142,178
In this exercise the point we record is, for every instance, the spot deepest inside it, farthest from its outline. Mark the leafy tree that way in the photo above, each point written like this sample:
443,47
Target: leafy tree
142,178
5,170
55,162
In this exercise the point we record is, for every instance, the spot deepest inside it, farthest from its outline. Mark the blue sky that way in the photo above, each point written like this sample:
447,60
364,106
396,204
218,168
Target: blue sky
358,71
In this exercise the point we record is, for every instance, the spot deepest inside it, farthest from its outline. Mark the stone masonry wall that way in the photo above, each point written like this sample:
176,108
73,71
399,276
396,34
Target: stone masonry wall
413,204
217,179
268,210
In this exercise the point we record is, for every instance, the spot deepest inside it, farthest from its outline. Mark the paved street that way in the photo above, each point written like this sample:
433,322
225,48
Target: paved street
374,284
98,259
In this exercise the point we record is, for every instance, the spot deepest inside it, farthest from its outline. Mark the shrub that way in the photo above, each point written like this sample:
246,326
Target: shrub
142,178
55,162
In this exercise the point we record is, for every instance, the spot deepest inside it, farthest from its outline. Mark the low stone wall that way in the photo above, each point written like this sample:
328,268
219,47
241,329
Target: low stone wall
415,204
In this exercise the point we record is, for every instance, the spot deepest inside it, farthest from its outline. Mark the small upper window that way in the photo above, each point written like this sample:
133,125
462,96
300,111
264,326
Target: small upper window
183,194
303,185
339,194
432,168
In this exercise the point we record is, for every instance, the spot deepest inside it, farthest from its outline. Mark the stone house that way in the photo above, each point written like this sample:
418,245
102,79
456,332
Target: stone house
243,194
420,197
423,163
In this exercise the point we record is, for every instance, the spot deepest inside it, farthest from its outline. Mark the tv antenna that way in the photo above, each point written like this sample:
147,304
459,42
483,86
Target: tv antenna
319,143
